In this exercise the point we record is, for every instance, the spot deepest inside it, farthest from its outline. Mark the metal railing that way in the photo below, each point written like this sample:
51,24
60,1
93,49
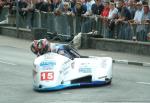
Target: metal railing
71,25
4,13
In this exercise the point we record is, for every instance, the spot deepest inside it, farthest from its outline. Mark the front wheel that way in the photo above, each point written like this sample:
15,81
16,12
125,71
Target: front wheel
108,80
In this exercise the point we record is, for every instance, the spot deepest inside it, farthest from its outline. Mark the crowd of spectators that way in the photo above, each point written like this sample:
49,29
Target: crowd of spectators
110,11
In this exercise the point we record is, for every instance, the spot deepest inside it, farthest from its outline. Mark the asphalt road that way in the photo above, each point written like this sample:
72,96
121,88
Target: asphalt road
131,84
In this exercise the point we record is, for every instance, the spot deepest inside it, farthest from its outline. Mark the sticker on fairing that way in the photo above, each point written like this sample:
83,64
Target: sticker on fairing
47,76
85,70
48,64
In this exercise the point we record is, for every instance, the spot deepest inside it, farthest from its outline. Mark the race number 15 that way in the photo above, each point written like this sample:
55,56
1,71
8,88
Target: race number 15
47,76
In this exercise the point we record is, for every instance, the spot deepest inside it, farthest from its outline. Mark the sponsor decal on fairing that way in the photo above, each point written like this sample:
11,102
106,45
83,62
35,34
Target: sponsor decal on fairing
47,64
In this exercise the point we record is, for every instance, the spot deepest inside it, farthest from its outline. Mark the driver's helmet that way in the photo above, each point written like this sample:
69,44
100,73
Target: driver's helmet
43,46
34,47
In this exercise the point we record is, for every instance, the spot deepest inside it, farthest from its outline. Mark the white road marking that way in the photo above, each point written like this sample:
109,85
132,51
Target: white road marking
146,64
6,62
122,61
67,93
146,83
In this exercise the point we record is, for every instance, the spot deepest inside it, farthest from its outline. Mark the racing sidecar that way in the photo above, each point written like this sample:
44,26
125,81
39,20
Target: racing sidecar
54,72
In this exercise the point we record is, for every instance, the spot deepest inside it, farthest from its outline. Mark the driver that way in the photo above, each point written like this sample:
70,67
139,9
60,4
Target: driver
42,46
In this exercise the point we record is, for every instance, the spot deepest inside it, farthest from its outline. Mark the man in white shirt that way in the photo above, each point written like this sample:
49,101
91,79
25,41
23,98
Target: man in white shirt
113,11
139,13
89,4
140,28
146,14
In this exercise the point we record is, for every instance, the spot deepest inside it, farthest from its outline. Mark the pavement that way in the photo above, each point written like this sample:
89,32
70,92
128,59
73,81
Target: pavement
118,57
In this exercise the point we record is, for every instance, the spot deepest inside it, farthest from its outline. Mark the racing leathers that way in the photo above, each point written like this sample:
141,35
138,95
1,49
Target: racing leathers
65,50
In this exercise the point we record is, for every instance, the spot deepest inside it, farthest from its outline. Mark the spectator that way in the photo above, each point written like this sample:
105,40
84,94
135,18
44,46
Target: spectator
121,23
30,10
73,3
89,4
2,3
106,10
30,5
97,7
142,35
79,9
50,6
22,7
83,1
146,15
139,13
42,5
12,7
131,8
112,16
57,4
123,12
66,8
5,2
113,11
8,3
140,29
25,6
104,18
12,10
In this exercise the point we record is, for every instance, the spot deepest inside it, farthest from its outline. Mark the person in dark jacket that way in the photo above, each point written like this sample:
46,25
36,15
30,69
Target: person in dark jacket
97,7
79,9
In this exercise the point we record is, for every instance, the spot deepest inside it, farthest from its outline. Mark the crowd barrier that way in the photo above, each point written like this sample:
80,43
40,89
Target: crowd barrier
71,25
4,13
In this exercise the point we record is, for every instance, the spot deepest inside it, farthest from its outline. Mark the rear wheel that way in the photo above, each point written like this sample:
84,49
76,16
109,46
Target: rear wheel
108,80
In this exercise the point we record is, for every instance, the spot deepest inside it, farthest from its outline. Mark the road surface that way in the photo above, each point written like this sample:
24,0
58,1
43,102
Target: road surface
130,84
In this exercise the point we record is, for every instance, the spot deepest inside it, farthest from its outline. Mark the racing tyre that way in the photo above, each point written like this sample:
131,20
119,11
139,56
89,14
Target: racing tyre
108,81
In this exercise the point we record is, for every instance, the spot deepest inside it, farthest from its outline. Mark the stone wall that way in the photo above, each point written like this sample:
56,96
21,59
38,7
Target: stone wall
87,41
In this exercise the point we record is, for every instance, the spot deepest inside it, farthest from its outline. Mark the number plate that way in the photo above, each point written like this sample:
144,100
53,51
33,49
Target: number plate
45,76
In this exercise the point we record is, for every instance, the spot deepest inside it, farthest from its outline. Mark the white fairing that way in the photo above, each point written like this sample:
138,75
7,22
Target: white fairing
52,70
